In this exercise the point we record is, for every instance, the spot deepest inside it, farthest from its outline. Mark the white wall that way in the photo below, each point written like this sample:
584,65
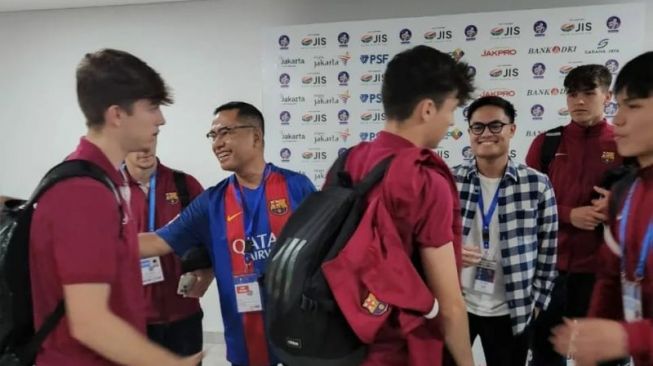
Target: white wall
208,51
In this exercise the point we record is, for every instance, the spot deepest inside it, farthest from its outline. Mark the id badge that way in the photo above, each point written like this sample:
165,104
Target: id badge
632,299
484,279
248,293
151,270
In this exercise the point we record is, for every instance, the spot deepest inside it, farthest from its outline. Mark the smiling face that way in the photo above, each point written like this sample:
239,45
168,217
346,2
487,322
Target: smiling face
235,143
490,144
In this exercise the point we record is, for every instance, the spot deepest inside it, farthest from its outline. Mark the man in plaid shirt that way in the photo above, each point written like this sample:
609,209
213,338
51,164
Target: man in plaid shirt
510,227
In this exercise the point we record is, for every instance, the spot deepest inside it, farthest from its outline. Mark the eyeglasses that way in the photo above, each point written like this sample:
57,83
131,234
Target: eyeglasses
477,128
224,131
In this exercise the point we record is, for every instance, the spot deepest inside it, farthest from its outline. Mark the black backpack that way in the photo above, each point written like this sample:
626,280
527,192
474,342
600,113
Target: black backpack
19,341
550,146
303,321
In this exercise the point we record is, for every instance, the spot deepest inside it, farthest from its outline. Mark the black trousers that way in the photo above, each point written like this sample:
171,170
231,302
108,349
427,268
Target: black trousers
570,298
500,346
183,337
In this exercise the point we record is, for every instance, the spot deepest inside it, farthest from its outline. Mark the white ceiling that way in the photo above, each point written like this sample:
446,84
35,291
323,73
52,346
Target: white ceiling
19,5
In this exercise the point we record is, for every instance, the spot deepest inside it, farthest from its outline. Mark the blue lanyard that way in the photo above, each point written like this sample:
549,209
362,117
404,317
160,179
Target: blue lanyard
487,217
648,237
260,191
152,200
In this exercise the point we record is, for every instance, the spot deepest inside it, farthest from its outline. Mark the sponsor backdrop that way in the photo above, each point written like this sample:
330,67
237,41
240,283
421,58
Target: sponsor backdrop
322,82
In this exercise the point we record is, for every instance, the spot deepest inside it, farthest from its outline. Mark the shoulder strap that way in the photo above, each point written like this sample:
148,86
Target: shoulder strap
182,187
619,190
337,174
65,170
552,139
27,354
374,176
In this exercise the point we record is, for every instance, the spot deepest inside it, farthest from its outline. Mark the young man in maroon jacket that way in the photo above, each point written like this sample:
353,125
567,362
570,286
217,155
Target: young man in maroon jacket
586,152
624,288
80,249
173,321
421,89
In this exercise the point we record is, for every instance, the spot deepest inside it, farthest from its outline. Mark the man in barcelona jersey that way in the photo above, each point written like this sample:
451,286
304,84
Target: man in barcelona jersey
239,219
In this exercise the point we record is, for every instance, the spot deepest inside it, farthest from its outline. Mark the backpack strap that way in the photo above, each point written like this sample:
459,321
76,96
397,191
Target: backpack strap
374,176
337,174
29,351
552,139
65,170
619,190
182,188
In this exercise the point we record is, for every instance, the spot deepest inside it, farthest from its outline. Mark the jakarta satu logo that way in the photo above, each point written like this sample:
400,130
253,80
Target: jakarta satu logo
613,23
343,39
540,28
470,32
284,42
405,35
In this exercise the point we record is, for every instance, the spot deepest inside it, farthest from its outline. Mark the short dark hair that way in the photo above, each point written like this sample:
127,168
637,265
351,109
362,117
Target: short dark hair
112,77
588,77
245,111
508,108
636,77
420,73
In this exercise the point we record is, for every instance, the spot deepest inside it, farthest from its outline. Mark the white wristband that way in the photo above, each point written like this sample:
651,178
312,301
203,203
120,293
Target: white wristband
434,311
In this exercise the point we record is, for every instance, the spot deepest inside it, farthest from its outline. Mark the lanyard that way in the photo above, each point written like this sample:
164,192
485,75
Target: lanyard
487,217
152,201
646,244
249,215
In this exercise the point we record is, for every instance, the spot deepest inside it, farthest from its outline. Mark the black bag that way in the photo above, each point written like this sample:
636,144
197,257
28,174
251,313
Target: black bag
303,321
19,341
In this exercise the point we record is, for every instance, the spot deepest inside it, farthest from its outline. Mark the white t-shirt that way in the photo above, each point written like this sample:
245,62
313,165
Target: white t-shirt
479,303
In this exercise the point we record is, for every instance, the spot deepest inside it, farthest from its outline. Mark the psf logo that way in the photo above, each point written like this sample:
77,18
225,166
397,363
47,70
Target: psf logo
470,32
375,38
613,23
537,111
370,98
539,28
538,70
284,42
284,80
343,116
612,65
343,78
367,136
343,39
375,59
506,30
284,117
438,34
576,26
405,35
285,154
314,41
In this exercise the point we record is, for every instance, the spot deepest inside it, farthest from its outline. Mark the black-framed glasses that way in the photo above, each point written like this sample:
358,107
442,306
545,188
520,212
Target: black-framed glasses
224,131
477,128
